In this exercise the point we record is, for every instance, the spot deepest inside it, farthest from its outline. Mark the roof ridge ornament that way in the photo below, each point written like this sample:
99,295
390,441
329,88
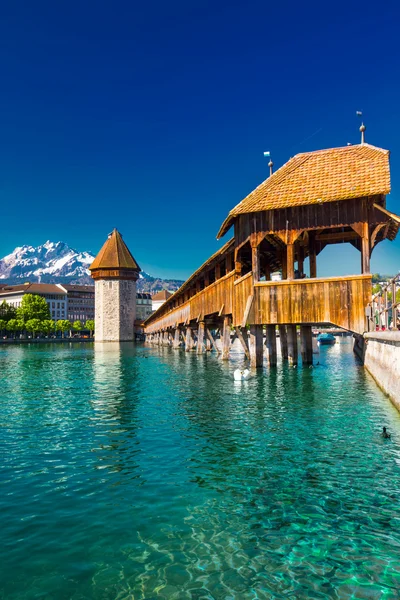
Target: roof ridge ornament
270,164
362,128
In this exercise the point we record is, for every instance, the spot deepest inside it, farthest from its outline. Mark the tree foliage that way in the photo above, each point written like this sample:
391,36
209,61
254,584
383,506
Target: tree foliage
3,324
33,325
63,325
47,326
77,326
90,325
33,307
7,311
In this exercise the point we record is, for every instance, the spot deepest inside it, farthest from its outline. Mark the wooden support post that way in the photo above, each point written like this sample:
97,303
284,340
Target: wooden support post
290,261
244,340
200,338
177,334
208,345
283,341
217,271
226,338
292,344
188,339
211,340
256,346
267,271
166,338
228,263
271,345
365,249
198,286
312,254
207,279
255,262
306,344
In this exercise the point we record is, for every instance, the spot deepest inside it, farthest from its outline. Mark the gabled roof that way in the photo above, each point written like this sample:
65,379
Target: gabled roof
320,176
33,288
114,255
163,295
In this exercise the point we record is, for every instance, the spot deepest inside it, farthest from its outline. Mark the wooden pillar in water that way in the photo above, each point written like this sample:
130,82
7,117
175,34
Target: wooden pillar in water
283,341
188,339
292,344
226,338
177,335
271,345
306,344
256,346
200,338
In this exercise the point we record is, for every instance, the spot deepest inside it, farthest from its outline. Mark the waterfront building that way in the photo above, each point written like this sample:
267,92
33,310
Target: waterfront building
115,273
55,297
159,299
80,305
143,306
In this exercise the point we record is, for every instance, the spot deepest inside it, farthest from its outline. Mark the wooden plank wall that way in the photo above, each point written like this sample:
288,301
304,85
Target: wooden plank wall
243,289
340,301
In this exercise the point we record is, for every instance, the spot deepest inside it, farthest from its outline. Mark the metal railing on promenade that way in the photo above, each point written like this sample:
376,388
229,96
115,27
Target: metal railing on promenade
383,312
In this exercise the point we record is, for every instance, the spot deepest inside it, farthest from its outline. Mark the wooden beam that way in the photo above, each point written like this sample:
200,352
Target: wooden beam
283,341
255,262
247,310
188,340
211,340
290,261
221,310
312,254
365,249
177,334
271,345
244,340
306,344
226,338
256,346
200,338
337,236
292,344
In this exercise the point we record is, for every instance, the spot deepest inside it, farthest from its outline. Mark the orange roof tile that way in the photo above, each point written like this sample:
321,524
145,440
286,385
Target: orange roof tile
114,255
162,295
320,176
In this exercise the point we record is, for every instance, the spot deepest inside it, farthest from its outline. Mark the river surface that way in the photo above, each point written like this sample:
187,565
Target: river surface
141,473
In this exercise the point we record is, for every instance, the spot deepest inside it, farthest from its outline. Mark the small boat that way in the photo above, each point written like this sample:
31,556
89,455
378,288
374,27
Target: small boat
240,375
326,339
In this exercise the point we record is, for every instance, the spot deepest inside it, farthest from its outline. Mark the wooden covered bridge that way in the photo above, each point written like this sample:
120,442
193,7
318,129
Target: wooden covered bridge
317,198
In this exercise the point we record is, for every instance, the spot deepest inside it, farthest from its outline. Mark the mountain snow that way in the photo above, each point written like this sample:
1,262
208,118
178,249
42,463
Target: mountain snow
56,262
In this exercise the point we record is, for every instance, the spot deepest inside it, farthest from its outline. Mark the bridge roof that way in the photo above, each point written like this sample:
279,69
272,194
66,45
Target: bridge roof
320,176
114,255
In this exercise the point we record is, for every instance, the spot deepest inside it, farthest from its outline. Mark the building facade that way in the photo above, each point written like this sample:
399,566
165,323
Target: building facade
115,273
80,302
55,297
143,306
159,299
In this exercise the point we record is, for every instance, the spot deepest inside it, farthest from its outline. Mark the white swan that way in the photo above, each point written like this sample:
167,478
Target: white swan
240,375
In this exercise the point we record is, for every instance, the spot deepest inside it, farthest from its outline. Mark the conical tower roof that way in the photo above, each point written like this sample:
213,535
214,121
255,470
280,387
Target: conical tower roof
114,255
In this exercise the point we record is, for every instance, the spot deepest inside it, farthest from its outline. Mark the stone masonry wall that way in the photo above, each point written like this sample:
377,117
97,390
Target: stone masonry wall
382,359
115,310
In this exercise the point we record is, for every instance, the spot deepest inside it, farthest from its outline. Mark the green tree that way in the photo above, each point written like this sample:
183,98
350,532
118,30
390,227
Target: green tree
77,326
33,325
376,288
3,324
14,325
90,325
47,326
7,311
33,307
63,325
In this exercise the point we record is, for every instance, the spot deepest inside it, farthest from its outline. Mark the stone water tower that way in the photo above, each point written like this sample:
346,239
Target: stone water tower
115,273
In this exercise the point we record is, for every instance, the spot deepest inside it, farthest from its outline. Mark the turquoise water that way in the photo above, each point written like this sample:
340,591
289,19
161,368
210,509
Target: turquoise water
148,473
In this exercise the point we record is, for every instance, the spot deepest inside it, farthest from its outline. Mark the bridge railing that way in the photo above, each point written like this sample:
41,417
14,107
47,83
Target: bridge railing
383,311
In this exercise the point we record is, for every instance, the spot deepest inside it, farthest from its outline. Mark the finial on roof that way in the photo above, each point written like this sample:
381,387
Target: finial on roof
362,128
270,164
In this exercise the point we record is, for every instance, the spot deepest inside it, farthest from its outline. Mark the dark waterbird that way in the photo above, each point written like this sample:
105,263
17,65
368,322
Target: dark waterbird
385,434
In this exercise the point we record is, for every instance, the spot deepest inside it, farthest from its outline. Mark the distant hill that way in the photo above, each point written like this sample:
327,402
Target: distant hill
56,262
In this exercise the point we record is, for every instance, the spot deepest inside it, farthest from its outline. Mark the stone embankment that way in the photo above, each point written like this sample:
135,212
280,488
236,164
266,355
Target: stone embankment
380,352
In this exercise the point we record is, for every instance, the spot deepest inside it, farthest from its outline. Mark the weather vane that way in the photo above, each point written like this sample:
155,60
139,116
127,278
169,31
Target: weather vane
270,164
362,128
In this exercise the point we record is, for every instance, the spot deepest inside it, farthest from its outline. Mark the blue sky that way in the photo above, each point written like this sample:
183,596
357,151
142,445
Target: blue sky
153,117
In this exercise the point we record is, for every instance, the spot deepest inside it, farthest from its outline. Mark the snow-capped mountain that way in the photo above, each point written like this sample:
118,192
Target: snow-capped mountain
56,262
46,262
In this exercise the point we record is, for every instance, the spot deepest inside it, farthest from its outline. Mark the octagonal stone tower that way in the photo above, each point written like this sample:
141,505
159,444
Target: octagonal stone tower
115,273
